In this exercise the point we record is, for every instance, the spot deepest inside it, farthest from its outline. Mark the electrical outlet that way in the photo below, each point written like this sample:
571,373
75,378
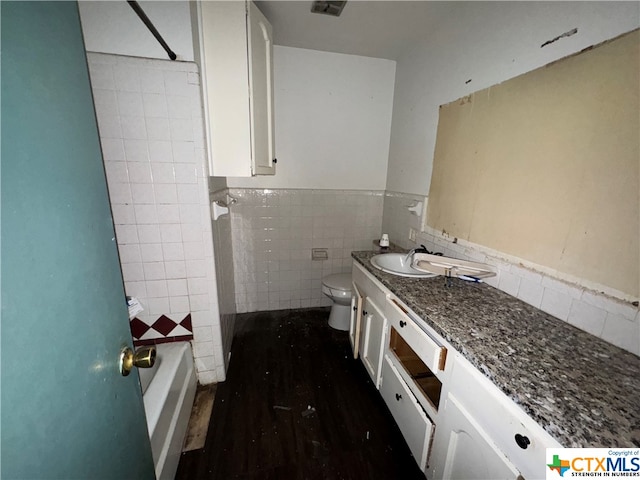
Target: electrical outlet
412,234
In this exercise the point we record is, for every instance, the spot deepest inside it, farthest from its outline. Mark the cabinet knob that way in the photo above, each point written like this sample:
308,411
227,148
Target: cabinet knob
402,323
365,313
398,397
275,160
355,308
522,441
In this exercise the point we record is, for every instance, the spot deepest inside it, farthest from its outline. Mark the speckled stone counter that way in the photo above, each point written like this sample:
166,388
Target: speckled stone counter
583,391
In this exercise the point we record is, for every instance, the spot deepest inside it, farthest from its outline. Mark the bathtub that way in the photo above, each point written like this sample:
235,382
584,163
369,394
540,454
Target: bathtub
168,390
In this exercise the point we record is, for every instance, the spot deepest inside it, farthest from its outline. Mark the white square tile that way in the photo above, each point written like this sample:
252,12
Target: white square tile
193,251
155,105
160,151
151,252
530,292
157,288
158,306
556,303
158,128
202,349
189,213
509,283
129,253
148,234
126,78
622,332
105,102
187,194
166,194
130,104
177,287
136,150
562,287
193,78
136,289
609,304
186,173
178,107
208,377
109,126
181,129
132,272
133,127
151,80
123,214
126,234
198,286
191,232
199,302
587,317
171,233
168,214
195,269
175,270
120,193
179,304
176,83
116,173
142,193
173,251
163,173
153,271
183,151
112,149
204,364
102,76
146,214
202,334
139,172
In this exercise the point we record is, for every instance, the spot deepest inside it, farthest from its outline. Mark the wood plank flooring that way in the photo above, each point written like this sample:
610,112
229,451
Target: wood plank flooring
296,405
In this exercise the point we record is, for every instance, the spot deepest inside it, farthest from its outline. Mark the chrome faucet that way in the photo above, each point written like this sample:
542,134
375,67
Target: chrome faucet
420,249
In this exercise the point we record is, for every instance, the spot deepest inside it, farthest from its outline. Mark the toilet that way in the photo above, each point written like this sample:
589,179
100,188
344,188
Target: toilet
338,288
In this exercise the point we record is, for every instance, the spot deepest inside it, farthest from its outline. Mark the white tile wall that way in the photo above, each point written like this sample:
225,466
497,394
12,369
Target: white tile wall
273,234
150,120
613,320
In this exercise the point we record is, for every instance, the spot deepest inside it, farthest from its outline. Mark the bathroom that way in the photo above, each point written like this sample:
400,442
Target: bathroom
378,150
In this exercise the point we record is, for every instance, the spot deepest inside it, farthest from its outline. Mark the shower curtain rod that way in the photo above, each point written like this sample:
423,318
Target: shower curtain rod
143,16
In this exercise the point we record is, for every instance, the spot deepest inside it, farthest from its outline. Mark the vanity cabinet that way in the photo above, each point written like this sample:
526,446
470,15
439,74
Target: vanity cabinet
456,422
354,324
236,50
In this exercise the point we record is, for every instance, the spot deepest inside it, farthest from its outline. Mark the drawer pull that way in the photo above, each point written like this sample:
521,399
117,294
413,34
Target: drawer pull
398,397
402,323
522,441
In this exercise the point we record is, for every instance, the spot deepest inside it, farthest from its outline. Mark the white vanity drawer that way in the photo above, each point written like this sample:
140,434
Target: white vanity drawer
502,419
417,429
430,351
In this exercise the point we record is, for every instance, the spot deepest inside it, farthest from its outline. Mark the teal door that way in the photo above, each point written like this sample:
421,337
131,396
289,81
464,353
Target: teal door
66,411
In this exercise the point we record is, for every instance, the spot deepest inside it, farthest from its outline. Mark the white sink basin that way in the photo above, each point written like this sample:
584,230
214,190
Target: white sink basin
395,264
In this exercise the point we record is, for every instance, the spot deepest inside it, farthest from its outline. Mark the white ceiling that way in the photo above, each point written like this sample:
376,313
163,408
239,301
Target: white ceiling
382,29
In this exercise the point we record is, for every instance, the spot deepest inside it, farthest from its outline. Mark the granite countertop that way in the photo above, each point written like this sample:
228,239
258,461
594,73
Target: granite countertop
582,390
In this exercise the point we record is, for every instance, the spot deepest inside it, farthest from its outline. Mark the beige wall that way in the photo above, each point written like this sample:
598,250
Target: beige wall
545,166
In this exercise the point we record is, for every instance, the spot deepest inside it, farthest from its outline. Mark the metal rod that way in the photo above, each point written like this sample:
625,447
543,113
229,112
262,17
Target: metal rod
143,16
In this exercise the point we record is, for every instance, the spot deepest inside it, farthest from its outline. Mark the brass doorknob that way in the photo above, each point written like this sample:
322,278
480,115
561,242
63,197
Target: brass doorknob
144,357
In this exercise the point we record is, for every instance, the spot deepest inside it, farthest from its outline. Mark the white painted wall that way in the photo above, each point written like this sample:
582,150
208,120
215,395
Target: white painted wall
113,27
333,121
487,43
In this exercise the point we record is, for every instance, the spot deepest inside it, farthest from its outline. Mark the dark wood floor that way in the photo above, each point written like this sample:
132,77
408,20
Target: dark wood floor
262,428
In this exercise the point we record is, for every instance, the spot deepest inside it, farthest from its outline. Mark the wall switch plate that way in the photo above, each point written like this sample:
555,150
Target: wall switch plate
412,234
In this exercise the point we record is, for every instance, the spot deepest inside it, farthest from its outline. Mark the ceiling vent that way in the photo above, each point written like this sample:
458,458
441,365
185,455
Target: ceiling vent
332,8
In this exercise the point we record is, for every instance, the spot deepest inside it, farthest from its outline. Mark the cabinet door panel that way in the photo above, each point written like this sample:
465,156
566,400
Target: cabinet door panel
470,454
355,323
371,354
261,84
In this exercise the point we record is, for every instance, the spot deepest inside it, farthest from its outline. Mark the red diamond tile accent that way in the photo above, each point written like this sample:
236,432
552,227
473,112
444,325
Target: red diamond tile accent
186,323
138,327
164,325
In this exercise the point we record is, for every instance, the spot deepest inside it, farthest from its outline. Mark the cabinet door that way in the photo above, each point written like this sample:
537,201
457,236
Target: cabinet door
374,325
470,453
261,86
356,314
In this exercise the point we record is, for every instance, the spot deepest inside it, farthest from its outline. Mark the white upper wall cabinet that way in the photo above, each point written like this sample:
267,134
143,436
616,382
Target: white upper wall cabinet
237,80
